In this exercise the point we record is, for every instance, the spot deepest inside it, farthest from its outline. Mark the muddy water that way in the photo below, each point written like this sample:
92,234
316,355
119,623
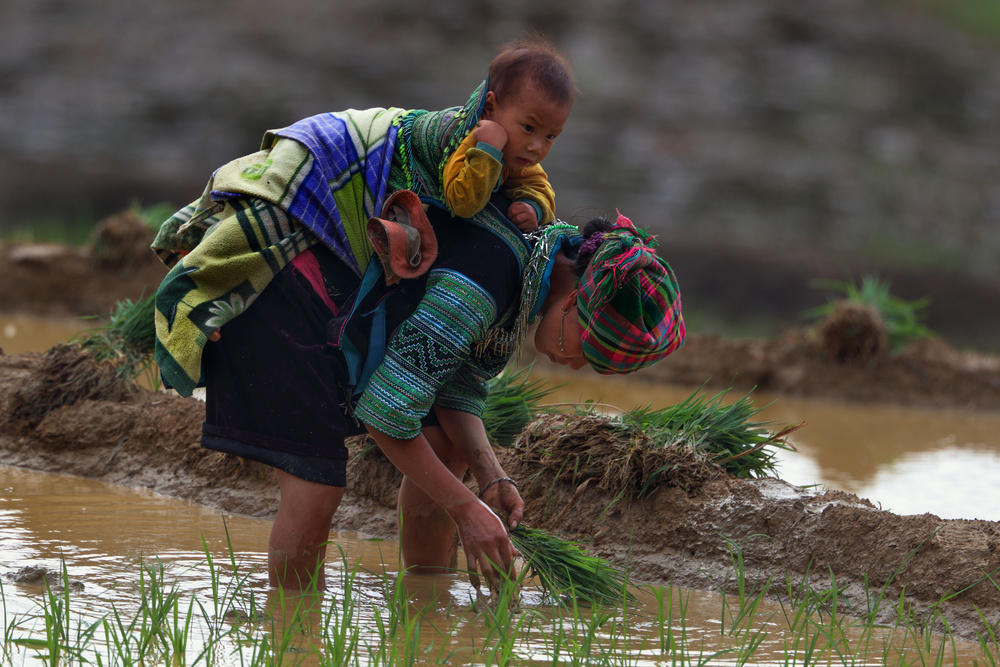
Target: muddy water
906,460
28,333
108,538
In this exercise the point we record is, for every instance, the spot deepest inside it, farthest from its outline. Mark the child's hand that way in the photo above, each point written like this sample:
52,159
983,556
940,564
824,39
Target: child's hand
523,216
492,133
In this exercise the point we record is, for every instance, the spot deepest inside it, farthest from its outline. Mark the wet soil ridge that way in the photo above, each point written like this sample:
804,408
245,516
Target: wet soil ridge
928,373
61,281
685,532
66,376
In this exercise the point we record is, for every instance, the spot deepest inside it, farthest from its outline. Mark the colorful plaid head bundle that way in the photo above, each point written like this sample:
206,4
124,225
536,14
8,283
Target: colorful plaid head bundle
629,302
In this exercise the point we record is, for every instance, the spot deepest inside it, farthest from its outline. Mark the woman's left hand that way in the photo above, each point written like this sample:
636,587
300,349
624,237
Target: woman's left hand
503,497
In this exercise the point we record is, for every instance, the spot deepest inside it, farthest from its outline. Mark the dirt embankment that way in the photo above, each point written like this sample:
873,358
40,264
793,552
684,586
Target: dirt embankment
684,533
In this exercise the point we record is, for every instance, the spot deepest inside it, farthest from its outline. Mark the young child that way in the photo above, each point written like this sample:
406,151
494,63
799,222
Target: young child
528,99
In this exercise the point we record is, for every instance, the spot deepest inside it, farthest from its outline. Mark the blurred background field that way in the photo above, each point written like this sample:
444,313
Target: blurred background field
767,142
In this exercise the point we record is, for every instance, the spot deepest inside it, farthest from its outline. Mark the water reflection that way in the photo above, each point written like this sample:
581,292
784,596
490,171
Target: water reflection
30,333
105,535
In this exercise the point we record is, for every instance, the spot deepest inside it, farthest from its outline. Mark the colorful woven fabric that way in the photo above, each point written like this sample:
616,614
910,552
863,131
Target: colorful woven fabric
319,179
425,141
426,352
629,303
537,271
346,183
217,280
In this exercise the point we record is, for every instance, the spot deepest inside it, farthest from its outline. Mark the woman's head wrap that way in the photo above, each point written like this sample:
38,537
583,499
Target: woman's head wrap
629,302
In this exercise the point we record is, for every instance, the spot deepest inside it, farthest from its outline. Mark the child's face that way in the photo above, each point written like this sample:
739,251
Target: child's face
532,122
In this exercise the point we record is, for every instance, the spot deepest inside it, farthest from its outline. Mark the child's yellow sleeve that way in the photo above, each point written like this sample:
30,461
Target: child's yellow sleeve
531,184
470,176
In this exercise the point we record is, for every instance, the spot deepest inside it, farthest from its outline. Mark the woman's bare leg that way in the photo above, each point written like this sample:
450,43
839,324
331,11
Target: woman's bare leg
427,535
300,532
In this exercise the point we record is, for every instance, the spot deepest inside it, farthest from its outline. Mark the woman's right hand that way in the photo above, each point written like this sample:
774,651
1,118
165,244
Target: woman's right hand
487,546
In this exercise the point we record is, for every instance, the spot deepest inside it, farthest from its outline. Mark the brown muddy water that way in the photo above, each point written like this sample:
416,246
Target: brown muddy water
108,538
905,460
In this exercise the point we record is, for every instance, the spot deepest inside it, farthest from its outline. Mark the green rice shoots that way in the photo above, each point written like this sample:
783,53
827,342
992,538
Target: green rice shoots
565,570
127,340
901,317
513,401
725,433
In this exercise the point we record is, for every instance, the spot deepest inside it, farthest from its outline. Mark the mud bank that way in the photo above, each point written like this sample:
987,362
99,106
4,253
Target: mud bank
685,533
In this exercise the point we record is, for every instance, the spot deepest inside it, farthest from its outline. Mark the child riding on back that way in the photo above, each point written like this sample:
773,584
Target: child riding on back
529,96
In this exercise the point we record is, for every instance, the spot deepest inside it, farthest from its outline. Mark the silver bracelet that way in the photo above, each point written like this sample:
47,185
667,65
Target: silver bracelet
497,480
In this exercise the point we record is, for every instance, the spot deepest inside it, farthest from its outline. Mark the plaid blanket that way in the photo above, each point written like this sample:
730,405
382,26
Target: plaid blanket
319,180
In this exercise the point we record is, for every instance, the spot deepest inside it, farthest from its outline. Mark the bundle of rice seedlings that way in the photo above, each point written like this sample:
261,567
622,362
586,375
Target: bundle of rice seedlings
565,570
901,317
853,332
127,340
725,433
513,401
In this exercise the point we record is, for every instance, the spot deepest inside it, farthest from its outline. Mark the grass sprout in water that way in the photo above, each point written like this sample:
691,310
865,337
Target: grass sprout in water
368,618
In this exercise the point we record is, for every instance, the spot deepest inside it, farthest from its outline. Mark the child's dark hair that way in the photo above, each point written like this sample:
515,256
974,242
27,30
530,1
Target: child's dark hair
593,234
533,60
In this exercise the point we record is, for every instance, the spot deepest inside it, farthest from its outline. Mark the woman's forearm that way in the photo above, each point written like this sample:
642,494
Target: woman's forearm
487,547
469,434
416,459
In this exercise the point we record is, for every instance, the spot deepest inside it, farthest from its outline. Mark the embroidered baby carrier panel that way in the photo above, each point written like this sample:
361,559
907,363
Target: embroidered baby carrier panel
425,141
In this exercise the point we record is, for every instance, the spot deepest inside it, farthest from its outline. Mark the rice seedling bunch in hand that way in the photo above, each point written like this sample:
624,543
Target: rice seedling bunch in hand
565,570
